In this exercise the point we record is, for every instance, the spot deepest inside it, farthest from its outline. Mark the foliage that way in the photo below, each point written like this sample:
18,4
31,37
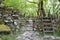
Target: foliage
52,6
26,8
29,7
8,37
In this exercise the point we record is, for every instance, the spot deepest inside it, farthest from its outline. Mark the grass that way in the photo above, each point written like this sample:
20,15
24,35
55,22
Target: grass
57,34
8,37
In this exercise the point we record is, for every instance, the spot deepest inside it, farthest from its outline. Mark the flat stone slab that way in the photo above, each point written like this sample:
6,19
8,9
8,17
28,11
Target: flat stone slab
29,35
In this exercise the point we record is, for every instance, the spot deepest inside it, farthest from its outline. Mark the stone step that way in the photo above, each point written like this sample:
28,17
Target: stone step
48,31
46,18
48,27
46,23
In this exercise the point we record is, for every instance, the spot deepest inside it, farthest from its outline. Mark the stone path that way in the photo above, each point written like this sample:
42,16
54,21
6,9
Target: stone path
27,33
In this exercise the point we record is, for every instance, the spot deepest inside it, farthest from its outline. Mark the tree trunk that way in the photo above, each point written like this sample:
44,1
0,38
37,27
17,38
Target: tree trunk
40,11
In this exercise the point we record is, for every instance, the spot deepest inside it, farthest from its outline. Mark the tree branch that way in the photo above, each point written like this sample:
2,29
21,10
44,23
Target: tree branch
32,2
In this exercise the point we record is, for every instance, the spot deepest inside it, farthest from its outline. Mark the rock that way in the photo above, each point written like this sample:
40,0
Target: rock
57,38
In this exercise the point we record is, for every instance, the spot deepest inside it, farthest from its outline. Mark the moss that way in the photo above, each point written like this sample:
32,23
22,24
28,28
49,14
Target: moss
1,22
4,28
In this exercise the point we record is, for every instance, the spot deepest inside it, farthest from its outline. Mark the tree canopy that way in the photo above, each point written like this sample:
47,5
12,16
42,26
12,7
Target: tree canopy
30,7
